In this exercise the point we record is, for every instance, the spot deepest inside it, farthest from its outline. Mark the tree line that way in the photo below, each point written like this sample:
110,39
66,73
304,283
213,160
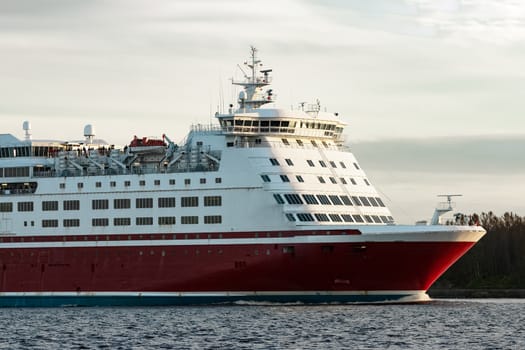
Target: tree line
496,261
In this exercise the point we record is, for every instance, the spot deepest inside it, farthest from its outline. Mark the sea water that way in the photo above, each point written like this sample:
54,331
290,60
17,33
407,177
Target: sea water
439,324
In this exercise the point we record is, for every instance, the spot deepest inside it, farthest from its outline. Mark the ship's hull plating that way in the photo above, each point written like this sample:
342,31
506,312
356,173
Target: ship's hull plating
312,267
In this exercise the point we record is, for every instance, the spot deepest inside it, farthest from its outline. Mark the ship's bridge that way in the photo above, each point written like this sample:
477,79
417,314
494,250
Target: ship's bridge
257,114
275,121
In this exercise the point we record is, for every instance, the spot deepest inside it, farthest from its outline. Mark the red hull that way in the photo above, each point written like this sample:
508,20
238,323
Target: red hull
370,266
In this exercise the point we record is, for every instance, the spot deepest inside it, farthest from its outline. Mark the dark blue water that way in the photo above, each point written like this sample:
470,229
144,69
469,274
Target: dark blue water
441,324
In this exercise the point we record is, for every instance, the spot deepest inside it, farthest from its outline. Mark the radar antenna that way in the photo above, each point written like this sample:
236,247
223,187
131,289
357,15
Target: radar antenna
443,207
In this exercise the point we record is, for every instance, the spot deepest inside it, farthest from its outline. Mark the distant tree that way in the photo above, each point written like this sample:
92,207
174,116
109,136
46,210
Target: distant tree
496,261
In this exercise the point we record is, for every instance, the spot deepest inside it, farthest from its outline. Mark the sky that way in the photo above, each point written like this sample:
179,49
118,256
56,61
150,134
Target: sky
433,91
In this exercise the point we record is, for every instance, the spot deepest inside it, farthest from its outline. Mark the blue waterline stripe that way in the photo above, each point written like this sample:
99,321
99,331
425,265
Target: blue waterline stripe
135,300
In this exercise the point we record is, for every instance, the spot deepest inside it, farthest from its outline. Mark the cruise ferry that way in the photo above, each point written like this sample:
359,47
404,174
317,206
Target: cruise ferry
268,205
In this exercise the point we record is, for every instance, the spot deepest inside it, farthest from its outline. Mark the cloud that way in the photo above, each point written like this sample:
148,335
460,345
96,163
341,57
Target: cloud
460,155
487,170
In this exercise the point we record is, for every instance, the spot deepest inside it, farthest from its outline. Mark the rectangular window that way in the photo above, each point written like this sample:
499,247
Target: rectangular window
142,221
342,165
310,199
314,144
142,183
71,222
212,219
299,178
189,202
284,178
166,202
212,201
97,222
127,183
321,179
353,181
274,161
322,163
99,204
373,201
332,180
321,217
189,220
202,180
121,221
113,183
299,142
368,219
335,200
347,218
49,205
62,186
346,200
49,223
366,182
167,220
335,218
310,163
290,217
278,198
365,201
218,180
293,198
98,184
305,217
332,164
358,218
289,162
343,180
380,202
121,203
187,181
376,219
6,207
356,166
385,219
72,205
285,141
156,182
25,206
141,203
356,201
172,182
265,178
323,199
80,185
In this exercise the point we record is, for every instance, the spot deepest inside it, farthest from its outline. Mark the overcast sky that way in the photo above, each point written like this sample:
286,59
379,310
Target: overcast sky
415,80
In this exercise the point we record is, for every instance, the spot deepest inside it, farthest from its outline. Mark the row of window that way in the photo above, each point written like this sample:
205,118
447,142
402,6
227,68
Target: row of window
139,221
320,217
321,179
127,183
322,199
118,203
322,163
